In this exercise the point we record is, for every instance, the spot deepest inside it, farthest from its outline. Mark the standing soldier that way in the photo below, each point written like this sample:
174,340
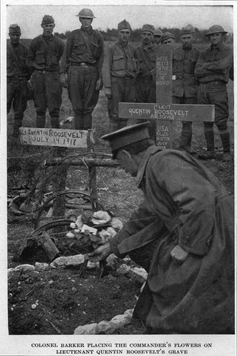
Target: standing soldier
83,66
44,55
118,74
146,74
157,36
17,77
212,71
167,38
185,84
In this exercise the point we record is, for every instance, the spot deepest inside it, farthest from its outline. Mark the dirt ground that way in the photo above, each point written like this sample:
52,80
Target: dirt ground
58,301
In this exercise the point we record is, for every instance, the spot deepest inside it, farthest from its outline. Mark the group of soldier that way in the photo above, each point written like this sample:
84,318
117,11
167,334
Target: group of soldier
128,74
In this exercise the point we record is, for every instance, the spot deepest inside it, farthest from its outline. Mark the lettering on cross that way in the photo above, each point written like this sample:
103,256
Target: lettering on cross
163,111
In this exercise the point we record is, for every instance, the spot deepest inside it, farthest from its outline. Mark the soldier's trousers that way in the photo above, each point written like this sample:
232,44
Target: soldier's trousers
123,90
17,97
83,94
47,94
186,133
216,93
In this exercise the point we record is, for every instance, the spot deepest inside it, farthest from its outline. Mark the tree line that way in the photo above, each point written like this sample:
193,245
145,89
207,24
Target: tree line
112,34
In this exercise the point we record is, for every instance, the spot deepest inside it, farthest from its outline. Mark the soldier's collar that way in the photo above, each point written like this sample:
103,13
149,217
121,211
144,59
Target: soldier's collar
88,29
219,46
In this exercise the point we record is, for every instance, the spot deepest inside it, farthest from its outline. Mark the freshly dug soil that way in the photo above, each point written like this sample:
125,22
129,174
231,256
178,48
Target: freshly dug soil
58,301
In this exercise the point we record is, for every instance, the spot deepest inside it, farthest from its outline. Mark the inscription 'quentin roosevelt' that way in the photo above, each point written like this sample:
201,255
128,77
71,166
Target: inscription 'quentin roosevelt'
162,112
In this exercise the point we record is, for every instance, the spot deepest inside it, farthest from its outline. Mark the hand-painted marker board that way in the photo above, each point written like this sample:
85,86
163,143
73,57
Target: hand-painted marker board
55,137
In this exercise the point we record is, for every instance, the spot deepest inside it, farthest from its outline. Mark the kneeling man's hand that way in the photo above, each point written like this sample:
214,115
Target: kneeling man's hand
178,254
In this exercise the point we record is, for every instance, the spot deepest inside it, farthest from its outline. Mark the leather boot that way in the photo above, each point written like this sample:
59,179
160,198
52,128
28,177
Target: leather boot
209,136
87,121
79,122
17,124
55,122
40,121
186,137
113,126
225,139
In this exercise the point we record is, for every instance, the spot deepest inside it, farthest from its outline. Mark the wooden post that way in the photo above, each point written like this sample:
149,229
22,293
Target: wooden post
163,110
59,184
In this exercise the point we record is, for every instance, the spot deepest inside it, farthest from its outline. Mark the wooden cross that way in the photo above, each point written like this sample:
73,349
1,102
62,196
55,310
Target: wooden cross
163,110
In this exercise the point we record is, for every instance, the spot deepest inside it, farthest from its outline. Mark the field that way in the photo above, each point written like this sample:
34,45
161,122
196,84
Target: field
64,298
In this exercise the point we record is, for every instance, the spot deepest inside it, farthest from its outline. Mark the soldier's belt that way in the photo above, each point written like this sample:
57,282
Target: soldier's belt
82,64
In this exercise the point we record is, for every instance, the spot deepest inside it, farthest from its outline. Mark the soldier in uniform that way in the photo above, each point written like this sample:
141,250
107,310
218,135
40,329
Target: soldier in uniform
167,38
82,69
184,85
146,72
212,71
182,234
157,36
118,74
44,55
17,76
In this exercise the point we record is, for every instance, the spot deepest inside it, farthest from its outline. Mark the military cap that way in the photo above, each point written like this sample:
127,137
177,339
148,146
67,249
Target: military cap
86,13
216,29
158,32
166,36
14,28
127,135
187,30
47,19
148,28
124,25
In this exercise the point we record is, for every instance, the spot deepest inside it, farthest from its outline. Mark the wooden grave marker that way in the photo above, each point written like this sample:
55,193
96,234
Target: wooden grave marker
163,110
55,137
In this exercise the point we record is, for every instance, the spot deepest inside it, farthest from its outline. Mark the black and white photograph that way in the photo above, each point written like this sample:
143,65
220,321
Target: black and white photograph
118,177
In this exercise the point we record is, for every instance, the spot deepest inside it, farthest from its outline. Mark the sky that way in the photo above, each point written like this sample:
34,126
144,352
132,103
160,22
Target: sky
201,14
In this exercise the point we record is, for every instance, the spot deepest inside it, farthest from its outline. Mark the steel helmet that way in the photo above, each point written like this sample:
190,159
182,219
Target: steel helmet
216,29
86,13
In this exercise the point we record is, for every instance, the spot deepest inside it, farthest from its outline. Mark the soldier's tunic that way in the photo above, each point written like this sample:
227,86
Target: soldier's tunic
83,61
212,71
44,56
119,71
185,85
17,76
189,207
145,83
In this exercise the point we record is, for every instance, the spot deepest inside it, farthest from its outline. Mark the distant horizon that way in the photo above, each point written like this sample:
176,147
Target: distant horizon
108,16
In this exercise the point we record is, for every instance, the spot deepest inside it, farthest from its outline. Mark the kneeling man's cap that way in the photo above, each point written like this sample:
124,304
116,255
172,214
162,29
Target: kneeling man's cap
127,135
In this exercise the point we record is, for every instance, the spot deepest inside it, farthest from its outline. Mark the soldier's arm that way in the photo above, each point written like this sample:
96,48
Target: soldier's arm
201,69
107,68
222,64
31,56
101,59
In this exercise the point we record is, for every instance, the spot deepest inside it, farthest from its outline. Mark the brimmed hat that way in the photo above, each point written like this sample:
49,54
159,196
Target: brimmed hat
148,28
47,19
187,30
158,32
127,135
166,36
216,29
14,28
124,25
